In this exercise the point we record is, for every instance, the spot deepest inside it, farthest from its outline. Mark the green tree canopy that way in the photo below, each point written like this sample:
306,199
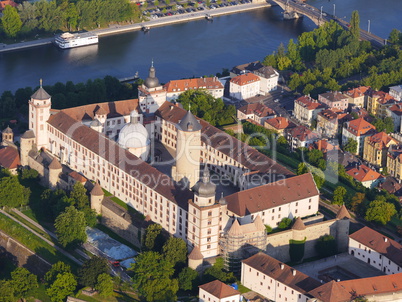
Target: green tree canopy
11,21
175,251
70,227
91,269
152,277
12,193
355,25
23,282
64,285
58,268
326,246
380,211
7,291
217,272
153,238
188,279
351,146
79,195
104,285
339,194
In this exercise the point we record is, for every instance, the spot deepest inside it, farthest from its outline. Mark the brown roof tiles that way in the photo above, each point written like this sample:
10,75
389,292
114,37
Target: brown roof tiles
198,83
219,289
245,79
9,158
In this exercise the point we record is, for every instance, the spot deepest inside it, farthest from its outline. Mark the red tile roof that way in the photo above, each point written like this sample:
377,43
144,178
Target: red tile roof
357,92
382,139
328,114
282,273
309,103
245,79
383,97
280,123
272,195
379,243
257,108
324,146
396,109
359,127
303,133
198,83
9,158
219,289
363,173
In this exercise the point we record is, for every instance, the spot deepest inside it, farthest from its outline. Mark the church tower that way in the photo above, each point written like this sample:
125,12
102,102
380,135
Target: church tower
188,150
151,94
203,217
39,113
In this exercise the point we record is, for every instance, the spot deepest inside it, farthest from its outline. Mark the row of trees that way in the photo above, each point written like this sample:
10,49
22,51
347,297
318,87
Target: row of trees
50,16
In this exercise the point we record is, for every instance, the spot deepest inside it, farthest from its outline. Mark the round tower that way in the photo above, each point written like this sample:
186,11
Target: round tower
298,229
39,113
204,190
342,229
97,195
188,150
54,172
195,259
27,143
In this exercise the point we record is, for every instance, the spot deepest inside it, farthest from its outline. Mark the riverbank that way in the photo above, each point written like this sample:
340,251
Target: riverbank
163,21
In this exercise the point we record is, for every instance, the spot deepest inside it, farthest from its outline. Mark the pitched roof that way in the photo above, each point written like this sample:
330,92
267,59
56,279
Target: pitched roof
40,94
97,190
360,127
266,72
258,223
196,254
396,109
302,133
272,195
382,139
357,92
111,109
55,164
309,103
299,225
219,289
363,173
252,66
256,108
282,272
235,229
379,243
28,134
189,123
328,114
247,156
280,123
198,83
9,158
324,145
78,177
342,213
383,97
348,290
245,79
119,157
7,130
333,96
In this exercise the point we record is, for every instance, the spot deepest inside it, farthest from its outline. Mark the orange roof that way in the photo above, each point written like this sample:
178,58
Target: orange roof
382,139
308,102
359,127
328,114
363,173
78,177
357,92
280,123
7,2
219,289
257,108
9,158
245,79
199,83
303,133
396,109
342,291
379,243
383,97
325,146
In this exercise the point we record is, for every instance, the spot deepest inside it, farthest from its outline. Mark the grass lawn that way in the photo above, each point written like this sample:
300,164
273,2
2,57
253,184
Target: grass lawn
39,294
117,297
242,289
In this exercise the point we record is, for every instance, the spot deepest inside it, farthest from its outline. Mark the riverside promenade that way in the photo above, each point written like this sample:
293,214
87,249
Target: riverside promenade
163,21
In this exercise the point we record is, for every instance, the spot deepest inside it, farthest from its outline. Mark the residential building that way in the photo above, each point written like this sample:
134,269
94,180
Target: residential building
217,291
378,102
396,92
176,87
3,4
334,100
366,176
280,124
244,86
394,162
357,130
268,79
10,159
301,136
358,96
327,123
325,146
378,250
275,280
256,112
392,186
376,148
306,109
244,68
395,112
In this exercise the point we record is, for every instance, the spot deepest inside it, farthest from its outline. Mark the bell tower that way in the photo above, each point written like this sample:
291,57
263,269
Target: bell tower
39,113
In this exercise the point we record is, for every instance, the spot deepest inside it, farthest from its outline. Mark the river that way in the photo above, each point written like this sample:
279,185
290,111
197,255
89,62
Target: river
183,50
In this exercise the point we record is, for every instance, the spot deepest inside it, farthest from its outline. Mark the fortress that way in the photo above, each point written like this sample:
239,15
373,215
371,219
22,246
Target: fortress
117,145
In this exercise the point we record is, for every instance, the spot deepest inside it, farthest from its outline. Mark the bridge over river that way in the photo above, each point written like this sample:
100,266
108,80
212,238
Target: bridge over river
293,9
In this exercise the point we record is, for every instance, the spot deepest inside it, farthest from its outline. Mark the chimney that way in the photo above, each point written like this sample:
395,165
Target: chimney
281,265
385,239
293,272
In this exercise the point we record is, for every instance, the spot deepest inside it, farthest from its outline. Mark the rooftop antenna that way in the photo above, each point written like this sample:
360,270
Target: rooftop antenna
152,63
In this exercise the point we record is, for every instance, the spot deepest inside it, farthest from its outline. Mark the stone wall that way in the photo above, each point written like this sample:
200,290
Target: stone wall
23,256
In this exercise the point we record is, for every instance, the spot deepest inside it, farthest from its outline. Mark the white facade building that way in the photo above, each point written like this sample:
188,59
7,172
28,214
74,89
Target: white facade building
396,92
217,291
244,86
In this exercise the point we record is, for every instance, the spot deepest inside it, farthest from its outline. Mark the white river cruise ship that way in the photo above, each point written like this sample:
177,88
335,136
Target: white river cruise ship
69,40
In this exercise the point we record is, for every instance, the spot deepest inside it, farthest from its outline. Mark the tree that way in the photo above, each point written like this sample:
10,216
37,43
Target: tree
29,174
104,285
285,223
302,168
339,194
188,279
217,271
314,156
70,227
23,282
12,193
351,146
152,277
79,195
326,246
380,211
175,251
91,269
57,268
153,238
7,291
394,36
11,21
355,25
64,285
356,201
